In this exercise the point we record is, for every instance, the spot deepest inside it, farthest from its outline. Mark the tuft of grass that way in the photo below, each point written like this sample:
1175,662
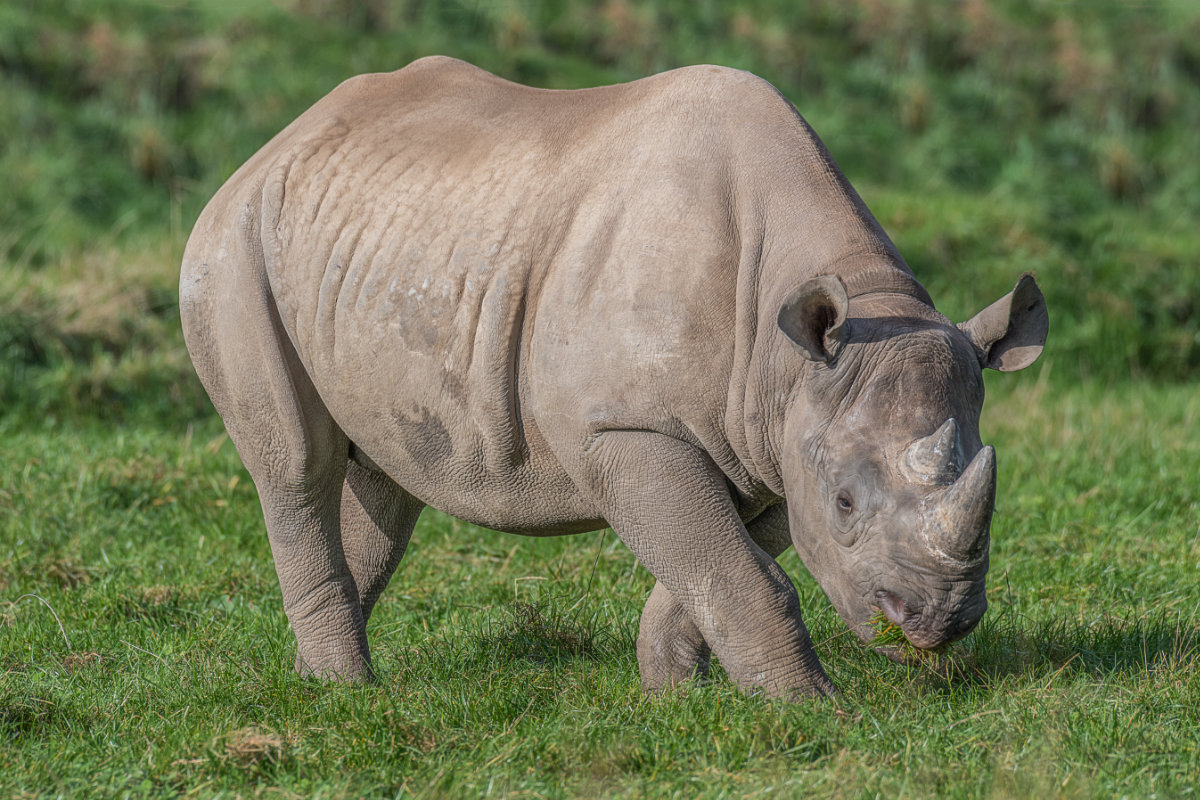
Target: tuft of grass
250,747
888,633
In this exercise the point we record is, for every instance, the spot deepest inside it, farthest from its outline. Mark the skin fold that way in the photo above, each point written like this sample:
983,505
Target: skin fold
656,306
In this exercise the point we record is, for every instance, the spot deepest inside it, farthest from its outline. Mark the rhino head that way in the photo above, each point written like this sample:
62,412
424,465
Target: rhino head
890,490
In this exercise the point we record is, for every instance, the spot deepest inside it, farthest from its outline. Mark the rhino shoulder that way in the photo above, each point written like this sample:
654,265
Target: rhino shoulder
729,88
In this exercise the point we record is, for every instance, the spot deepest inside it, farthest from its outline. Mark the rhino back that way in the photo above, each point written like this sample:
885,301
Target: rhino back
479,276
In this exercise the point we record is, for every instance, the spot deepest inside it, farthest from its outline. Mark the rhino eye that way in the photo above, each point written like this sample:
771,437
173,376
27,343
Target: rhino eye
845,503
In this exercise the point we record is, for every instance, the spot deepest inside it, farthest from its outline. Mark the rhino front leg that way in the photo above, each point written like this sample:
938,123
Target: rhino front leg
378,517
669,504
670,648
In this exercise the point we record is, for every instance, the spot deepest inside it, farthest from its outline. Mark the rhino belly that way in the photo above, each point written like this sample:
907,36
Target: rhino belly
417,352
432,436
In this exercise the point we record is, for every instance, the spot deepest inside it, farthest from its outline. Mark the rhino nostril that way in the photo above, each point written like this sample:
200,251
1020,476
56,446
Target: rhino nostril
891,605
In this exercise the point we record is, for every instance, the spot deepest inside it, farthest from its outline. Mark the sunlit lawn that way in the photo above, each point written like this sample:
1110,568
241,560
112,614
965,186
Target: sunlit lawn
144,649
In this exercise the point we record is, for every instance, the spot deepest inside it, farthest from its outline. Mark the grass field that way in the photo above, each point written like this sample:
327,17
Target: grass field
145,650
143,647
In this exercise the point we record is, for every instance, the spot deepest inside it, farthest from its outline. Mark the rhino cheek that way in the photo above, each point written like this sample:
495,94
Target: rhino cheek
830,565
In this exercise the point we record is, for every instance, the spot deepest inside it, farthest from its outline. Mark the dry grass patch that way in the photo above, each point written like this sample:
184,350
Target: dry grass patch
251,746
79,661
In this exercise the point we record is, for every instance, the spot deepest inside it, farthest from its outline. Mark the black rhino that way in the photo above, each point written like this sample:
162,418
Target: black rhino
657,306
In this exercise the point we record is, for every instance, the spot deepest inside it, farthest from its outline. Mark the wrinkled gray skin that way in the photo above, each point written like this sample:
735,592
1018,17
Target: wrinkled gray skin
657,306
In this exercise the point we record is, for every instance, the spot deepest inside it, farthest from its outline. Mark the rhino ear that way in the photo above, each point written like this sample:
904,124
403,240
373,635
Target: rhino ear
1009,334
814,317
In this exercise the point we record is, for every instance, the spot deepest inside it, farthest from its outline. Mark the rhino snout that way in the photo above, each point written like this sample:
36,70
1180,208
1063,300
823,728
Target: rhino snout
928,627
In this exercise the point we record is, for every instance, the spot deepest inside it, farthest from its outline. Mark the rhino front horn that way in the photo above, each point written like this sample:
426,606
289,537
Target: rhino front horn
963,515
936,459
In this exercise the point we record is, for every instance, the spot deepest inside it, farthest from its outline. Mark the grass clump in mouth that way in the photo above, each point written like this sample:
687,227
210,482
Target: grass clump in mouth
890,640
940,661
889,634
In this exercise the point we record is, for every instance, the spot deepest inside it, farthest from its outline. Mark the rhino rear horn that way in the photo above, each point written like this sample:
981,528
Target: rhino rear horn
937,458
1010,333
814,317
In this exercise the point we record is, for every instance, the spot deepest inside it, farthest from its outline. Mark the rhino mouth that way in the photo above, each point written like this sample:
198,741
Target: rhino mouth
892,607
903,616
926,631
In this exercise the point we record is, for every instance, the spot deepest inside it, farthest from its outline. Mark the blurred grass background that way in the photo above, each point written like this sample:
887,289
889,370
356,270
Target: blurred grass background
989,137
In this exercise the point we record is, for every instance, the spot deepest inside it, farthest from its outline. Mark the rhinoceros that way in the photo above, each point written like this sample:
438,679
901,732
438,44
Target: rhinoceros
657,306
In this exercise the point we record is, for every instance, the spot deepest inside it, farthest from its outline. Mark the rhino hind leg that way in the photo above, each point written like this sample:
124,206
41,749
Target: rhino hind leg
320,597
296,455
291,446
670,648
377,519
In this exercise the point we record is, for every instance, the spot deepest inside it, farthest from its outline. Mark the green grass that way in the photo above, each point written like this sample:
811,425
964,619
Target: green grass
507,664
143,647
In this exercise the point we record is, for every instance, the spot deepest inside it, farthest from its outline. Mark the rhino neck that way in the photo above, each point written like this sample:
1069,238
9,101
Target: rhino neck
872,274
776,377
808,221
